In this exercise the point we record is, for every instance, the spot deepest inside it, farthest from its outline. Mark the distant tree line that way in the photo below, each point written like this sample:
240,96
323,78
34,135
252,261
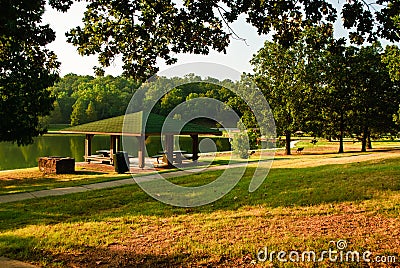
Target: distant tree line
82,99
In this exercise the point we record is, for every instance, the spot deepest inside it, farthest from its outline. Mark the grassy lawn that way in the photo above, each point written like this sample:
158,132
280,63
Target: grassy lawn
305,202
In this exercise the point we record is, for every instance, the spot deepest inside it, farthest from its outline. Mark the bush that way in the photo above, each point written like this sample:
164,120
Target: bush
240,144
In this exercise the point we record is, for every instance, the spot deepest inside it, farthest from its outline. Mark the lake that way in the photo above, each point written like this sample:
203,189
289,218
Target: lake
14,157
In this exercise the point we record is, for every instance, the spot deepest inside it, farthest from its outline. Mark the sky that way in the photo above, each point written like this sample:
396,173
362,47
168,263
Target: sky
237,57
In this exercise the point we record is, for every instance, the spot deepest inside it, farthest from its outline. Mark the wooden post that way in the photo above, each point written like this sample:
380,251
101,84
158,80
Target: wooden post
88,146
117,143
113,147
169,144
141,139
195,146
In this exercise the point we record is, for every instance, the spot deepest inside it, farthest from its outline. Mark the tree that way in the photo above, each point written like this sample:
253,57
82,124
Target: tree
64,92
337,94
357,96
278,74
91,114
56,115
27,69
376,96
281,74
100,97
171,100
392,53
144,31
240,142
78,115
392,59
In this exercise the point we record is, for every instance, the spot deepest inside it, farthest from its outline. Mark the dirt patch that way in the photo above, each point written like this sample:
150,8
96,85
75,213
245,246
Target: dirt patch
166,244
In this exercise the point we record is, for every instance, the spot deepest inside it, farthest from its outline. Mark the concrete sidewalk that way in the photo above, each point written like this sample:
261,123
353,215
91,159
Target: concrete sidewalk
8,263
109,184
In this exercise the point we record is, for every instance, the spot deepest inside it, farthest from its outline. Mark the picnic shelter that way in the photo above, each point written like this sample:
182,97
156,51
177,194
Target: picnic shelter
141,126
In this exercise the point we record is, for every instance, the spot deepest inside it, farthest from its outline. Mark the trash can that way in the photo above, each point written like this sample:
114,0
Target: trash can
120,162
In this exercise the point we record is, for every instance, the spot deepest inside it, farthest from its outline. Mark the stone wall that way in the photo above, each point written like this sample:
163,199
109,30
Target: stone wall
57,165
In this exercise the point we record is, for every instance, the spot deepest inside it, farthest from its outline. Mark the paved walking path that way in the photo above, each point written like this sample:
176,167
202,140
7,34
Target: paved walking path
8,263
109,184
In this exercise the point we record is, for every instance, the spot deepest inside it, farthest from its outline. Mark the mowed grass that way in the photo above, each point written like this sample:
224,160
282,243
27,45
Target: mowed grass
294,209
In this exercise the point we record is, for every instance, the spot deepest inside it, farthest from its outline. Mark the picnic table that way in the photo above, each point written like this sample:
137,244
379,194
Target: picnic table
177,156
105,153
102,156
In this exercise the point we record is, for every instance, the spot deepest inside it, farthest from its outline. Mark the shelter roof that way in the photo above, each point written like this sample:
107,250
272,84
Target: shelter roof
132,124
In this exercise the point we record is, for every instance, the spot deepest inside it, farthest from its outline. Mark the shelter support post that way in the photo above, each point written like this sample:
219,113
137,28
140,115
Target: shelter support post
115,144
169,144
88,145
112,145
141,146
195,146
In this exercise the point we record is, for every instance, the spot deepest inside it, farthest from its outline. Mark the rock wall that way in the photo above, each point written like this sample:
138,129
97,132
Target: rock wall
57,165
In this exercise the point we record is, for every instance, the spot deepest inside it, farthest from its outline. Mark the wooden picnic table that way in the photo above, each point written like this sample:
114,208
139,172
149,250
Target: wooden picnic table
177,156
102,156
105,153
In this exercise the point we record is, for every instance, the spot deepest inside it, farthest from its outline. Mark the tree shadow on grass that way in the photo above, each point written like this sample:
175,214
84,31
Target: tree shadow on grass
28,249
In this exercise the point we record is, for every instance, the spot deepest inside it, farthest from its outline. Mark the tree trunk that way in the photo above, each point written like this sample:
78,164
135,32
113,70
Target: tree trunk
288,137
363,144
369,142
341,147
364,140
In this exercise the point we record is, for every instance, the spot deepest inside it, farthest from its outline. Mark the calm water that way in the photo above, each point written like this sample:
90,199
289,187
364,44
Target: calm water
13,157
